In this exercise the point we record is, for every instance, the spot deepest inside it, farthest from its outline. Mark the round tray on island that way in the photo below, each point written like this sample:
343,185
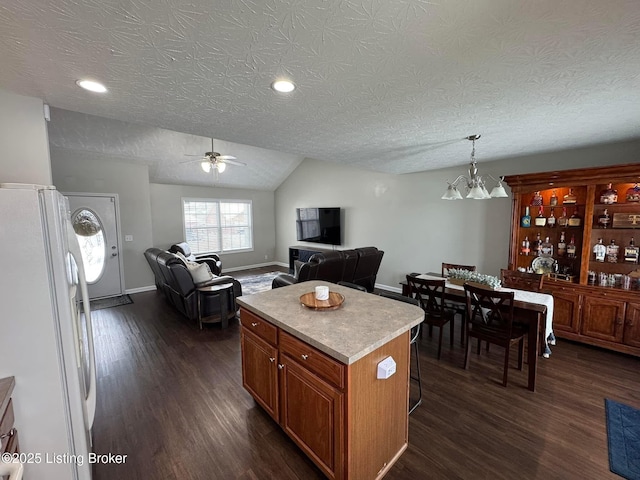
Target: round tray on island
334,301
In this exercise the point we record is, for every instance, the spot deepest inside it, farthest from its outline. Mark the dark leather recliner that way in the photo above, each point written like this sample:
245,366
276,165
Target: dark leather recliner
369,260
359,266
211,259
173,279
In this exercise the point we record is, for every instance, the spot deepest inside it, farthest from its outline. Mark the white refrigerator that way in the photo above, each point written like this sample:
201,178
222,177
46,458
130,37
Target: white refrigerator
45,341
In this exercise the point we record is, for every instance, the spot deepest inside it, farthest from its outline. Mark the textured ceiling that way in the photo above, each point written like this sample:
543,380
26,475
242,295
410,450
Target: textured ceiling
390,85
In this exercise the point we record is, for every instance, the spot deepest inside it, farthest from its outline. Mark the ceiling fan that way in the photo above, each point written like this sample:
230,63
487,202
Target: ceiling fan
215,161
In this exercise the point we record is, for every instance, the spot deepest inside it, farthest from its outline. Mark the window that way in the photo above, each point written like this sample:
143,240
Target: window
217,225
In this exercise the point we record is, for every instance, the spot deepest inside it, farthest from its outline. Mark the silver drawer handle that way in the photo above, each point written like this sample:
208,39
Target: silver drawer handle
280,366
304,357
255,324
272,359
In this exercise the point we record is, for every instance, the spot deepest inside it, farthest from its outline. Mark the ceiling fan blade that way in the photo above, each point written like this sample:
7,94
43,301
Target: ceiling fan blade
235,162
192,154
225,157
201,159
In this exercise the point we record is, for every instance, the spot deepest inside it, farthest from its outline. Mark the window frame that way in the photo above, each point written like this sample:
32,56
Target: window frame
218,202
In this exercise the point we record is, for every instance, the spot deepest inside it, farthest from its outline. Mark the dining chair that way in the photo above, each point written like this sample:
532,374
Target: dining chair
457,307
430,295
521,280
490,318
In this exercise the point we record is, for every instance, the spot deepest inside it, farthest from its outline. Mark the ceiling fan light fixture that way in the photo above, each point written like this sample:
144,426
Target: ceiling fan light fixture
91,86
206,165
283,86
221,166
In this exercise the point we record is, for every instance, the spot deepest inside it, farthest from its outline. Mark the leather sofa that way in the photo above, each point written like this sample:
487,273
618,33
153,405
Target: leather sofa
175,281
358,266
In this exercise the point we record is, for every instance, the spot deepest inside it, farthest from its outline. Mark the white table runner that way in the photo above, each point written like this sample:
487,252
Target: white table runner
523,296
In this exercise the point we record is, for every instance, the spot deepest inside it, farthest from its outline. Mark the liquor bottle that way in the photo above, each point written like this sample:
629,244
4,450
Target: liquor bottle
631,253
562,246
551,221
540,220
633,194
574,219
569,198
537,244
599,251
609,195
604,219
526,248
536,201
525,221
563,221
553,201
571,248
612,252
546,249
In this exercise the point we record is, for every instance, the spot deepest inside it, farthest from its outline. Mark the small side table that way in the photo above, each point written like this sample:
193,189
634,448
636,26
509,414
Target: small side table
221,291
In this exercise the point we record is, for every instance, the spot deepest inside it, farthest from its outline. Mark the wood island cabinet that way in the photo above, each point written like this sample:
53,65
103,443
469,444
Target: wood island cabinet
592,304
329,409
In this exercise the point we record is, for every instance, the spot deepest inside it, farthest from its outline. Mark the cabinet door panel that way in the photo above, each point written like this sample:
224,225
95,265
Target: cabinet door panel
312,415
260,371
603,318
632,325
566,311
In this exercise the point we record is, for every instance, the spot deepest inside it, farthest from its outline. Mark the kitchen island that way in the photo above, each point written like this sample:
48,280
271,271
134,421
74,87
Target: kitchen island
315,373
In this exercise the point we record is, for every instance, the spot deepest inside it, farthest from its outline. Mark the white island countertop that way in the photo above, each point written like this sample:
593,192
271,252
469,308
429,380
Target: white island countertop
363,323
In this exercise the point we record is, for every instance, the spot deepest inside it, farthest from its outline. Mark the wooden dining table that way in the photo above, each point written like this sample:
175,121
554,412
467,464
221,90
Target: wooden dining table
531,314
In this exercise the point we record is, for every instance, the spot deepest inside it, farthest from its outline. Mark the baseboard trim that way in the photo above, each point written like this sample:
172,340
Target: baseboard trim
257,265
388,288
148,288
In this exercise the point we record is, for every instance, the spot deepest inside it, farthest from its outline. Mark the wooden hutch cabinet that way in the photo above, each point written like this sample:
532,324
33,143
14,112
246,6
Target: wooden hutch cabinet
596,291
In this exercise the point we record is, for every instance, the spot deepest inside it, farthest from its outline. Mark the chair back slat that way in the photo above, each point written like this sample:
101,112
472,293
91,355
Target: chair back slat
522,280
429,293
490,309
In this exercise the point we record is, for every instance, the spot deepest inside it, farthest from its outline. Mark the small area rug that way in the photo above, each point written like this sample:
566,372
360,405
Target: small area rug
257,283
623,437
101,303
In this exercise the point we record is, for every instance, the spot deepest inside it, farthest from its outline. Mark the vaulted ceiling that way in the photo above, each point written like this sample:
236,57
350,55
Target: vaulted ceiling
388,85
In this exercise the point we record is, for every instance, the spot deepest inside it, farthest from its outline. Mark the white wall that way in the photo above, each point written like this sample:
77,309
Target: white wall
24,143
404,215
166,209
86,172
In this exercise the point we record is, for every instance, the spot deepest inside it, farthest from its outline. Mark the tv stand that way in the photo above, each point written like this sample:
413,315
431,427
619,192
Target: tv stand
303,254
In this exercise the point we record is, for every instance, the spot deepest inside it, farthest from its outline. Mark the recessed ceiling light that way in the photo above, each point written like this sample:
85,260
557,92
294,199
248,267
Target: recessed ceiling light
283,86
91,86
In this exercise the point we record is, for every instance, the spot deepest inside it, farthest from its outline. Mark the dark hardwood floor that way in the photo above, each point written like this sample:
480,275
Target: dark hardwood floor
170,397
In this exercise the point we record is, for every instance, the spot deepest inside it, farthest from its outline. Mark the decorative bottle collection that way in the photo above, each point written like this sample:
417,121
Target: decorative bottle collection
564,209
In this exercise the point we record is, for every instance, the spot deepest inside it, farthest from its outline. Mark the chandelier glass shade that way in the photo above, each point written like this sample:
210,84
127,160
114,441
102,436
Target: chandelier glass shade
474,182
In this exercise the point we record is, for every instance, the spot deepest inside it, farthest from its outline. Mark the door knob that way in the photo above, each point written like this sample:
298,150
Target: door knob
114,254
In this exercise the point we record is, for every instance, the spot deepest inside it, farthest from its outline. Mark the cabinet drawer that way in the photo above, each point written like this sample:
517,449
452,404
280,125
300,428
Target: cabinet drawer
260,327
313,359
5,426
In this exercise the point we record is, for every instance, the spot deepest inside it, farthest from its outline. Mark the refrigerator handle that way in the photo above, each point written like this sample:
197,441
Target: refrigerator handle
13,468
90,402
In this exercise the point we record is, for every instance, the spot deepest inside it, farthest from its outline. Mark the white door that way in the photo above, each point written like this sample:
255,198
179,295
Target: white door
95,219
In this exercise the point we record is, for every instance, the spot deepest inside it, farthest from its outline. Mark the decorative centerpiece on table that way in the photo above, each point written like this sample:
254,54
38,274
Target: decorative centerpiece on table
459,277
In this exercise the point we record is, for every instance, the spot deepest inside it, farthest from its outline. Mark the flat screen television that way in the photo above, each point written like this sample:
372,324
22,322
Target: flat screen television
319,225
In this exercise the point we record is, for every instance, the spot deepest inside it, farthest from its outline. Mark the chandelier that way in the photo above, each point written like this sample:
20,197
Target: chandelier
474,183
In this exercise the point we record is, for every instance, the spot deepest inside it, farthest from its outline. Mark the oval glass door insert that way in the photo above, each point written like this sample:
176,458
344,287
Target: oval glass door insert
90,235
